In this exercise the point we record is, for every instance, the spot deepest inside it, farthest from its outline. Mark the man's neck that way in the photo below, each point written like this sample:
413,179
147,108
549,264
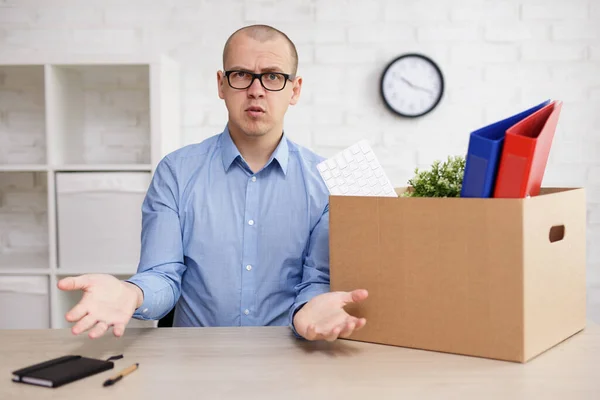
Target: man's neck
256,150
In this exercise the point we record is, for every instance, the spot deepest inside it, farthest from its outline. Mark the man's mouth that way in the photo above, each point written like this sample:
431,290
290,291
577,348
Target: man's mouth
255,111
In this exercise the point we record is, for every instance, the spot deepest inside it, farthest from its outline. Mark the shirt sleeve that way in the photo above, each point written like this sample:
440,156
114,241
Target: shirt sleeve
315,274
161,264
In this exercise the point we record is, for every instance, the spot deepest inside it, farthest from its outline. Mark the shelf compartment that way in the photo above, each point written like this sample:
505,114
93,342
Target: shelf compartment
24,302
99,216
23,220
22,115
99,114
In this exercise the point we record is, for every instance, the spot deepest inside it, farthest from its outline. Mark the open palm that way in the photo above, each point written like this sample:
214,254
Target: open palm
324,317
106,302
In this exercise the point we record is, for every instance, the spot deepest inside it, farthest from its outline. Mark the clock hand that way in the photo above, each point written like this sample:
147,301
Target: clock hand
415,86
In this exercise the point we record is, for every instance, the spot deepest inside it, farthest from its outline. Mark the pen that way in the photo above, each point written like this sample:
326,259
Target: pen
120,375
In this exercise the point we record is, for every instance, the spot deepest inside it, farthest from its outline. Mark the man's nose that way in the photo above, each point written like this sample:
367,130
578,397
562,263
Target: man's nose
256,89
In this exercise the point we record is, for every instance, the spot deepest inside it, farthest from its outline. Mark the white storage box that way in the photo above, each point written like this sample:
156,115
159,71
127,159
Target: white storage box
24,302
99,217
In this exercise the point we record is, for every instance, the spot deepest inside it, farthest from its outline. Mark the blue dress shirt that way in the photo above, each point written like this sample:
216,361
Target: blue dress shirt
231,247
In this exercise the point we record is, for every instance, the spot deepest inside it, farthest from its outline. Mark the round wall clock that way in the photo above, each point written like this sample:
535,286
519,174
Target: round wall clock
412,85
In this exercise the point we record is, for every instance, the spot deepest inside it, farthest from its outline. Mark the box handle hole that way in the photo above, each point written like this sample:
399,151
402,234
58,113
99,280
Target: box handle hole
557,233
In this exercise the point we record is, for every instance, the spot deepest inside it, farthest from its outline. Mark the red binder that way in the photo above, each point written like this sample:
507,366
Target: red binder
525,153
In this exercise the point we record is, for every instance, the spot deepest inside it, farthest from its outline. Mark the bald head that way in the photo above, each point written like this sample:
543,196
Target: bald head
263,33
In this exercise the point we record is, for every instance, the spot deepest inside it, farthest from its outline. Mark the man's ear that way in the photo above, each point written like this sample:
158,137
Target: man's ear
221,83
297,88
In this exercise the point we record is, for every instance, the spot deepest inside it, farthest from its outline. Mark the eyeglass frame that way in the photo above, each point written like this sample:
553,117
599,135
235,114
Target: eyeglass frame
288,77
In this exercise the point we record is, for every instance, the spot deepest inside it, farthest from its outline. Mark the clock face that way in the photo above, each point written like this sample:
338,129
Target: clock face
412,85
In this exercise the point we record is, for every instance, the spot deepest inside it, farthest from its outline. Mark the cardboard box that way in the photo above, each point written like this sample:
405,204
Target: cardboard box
493,278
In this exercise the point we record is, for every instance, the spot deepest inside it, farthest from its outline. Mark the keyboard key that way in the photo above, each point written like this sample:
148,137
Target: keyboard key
341,161
354,166
348,156
326,175
335,172
346,172
367,173
331,163
322,166
372,182
378,173
340,181
343,189
355,149
364,146
370,156
357,174
359,157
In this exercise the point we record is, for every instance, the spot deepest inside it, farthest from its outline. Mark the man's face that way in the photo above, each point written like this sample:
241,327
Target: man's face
256,111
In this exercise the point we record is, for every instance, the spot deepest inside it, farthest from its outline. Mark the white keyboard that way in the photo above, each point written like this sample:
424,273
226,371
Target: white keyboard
356,171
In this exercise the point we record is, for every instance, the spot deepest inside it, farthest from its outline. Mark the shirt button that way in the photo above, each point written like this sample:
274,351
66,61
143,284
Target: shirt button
253,179
251,222
246,311
249,267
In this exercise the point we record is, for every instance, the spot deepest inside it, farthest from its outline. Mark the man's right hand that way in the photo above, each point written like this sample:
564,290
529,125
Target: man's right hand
106,302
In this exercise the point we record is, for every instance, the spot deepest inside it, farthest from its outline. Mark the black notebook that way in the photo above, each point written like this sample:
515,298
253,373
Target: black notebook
60,371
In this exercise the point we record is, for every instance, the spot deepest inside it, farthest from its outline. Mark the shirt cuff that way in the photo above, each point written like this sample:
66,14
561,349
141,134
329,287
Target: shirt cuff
295,309
149,309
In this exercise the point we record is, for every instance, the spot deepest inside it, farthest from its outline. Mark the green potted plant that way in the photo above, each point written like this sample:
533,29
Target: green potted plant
443,179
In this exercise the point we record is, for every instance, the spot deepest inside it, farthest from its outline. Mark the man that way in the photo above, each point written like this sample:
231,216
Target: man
236,228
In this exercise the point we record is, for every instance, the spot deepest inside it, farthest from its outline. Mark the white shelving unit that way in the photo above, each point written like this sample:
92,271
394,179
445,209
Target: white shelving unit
67,116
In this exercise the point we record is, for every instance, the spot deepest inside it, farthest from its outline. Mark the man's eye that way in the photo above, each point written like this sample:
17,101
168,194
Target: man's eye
273,77
240,75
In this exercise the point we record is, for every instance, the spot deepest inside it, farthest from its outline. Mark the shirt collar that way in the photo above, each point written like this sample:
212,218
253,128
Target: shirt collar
230,152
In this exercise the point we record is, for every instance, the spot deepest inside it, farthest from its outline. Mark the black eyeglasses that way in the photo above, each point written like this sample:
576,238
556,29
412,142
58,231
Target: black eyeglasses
272,81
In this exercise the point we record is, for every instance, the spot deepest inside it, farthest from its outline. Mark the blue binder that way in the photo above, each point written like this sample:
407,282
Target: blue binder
483,155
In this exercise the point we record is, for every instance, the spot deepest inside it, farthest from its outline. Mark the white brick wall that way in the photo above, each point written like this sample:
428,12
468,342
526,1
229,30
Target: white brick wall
116,120
23,218
22,114
497,57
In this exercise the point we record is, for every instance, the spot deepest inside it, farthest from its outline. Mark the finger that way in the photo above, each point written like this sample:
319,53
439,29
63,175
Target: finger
355,296
310,333
98,330
77,312
325,327
73,283
359,295
333,334
361,323
119,330
348,329
84,324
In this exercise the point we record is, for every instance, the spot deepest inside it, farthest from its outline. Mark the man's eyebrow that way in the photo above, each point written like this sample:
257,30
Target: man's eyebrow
272,69
267,69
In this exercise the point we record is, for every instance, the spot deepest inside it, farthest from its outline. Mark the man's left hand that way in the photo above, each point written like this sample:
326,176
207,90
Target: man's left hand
324,317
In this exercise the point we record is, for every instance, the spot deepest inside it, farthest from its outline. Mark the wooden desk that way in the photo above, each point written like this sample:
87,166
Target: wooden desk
259,363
